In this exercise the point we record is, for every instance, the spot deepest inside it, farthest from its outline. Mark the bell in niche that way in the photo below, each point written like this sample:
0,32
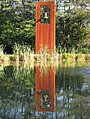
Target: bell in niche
46,15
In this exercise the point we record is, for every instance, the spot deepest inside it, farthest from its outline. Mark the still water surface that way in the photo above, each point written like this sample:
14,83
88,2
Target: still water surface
45,91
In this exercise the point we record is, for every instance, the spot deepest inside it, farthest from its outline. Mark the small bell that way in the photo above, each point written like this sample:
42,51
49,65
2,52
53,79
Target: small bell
46,15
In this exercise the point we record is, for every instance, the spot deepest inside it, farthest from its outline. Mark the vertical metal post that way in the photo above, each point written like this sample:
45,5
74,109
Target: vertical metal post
45,32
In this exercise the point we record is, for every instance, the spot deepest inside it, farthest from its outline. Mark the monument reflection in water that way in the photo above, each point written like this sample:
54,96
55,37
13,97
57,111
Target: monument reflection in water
45,89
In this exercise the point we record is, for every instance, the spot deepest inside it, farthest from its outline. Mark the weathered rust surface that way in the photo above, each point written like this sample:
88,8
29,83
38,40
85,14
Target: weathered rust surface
45,81
45,33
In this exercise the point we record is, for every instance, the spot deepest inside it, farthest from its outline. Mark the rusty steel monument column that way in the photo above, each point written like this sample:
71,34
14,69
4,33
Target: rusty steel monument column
45,26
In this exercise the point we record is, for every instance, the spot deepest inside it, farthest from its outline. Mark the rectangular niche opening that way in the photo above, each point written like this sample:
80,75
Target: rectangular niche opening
45,99
45,14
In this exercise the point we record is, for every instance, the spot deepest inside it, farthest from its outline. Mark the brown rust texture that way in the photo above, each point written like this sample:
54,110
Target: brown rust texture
45,81
45,33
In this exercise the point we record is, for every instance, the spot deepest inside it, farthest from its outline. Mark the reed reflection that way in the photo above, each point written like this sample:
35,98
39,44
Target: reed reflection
45,88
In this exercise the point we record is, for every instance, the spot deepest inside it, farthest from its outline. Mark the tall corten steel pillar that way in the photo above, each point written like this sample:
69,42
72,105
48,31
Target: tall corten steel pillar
45,26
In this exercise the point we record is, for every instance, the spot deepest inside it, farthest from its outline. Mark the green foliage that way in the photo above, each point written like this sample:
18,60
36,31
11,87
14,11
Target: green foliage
72,29
17,24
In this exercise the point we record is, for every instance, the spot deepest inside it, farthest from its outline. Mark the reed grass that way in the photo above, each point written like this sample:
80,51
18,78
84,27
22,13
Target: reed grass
24,53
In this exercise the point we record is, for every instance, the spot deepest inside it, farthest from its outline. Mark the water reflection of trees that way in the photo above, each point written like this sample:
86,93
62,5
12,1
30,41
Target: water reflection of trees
68,80
17,92
69,100
17,95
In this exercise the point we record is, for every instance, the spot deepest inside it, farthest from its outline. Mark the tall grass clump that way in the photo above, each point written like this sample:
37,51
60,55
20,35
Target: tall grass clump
23,52
26,53
73,54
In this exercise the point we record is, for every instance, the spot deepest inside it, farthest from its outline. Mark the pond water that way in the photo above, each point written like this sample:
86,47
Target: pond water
41,91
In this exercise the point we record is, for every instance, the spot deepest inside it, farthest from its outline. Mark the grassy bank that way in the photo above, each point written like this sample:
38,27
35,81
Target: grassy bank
46,57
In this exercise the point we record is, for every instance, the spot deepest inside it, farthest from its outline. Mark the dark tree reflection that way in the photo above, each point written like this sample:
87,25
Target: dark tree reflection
17,92
69,88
